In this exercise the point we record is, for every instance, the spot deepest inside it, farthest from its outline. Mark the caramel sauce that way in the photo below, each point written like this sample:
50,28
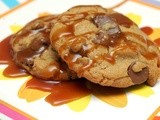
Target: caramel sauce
26,56
67,32
68,29
121,19
152,55
109,58
40,41
65,92
147,30
157,41
5,48
149,55
37,33
61,91
12,70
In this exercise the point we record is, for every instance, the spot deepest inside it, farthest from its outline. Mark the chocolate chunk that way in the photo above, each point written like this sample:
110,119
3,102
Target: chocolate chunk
108,24
110,31
138,77
108,38
101,20
105,39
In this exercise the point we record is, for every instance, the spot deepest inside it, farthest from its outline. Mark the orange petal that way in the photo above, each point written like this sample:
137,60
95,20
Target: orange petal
155,34
31,94
112,96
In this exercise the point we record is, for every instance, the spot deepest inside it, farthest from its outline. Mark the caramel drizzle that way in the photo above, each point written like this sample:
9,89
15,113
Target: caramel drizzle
53,86
122,43
12,70
41,43
61,92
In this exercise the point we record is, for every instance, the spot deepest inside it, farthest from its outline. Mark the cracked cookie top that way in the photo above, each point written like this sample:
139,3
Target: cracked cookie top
105,47
31,50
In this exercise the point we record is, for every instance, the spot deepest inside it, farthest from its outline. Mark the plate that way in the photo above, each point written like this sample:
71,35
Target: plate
138,102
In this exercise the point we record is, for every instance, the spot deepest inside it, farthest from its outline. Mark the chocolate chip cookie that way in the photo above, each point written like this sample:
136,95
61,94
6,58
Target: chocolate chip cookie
105,47
31,50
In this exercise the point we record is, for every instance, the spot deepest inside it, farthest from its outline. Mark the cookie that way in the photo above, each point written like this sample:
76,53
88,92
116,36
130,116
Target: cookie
32,51
105,47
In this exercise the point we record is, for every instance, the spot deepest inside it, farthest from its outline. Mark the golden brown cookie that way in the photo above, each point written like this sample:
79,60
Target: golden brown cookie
105,47
32,51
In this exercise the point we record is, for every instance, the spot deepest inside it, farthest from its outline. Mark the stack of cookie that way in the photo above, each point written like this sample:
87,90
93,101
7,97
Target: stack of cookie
91,42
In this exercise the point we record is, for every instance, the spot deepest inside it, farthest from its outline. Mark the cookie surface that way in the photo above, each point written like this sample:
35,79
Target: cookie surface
32,51
105,47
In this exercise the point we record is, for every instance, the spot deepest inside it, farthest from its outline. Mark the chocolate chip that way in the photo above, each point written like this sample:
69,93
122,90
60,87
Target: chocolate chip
108,39
109,32
101,20
138,77
107,23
